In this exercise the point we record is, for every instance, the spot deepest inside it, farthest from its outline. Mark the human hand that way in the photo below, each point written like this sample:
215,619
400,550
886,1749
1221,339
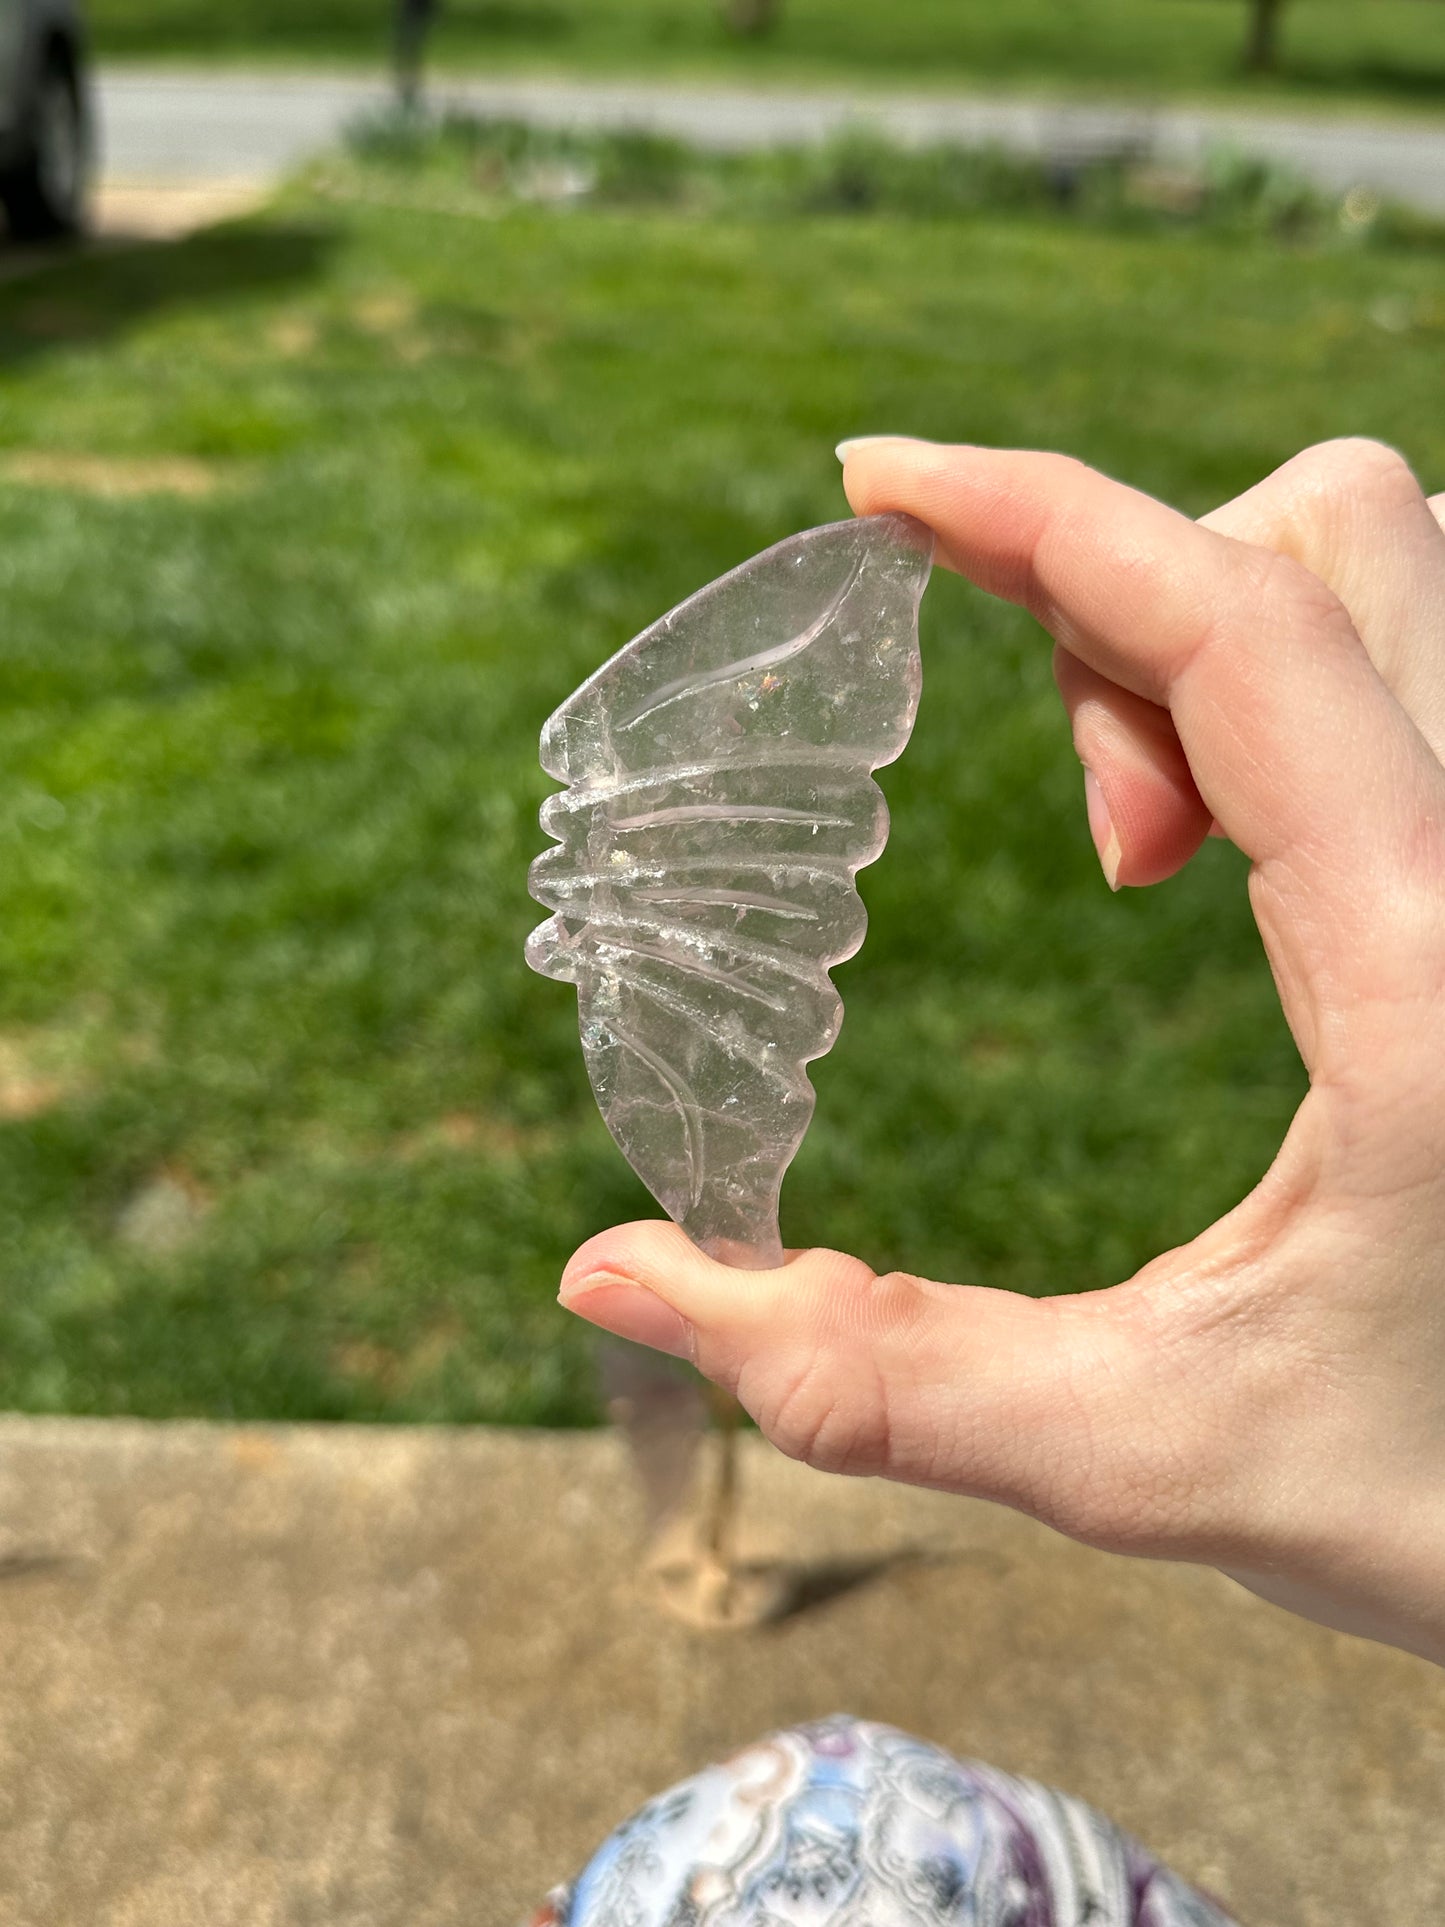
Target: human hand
1270,1398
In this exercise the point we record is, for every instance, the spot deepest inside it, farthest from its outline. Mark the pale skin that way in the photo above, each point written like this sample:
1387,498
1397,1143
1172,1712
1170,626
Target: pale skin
1270,1398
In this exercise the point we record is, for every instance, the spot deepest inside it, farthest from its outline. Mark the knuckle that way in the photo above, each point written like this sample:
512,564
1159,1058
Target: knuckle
1062,472
839,1392
1334,478
830,1419
1351,462
858,1306
1290,594
890,1302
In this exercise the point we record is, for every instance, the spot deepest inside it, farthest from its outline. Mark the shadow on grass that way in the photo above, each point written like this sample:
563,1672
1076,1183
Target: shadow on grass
285,29
1356,77
87,296
509,20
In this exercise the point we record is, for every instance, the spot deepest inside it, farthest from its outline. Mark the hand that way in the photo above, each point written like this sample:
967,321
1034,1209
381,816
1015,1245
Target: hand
1269,1399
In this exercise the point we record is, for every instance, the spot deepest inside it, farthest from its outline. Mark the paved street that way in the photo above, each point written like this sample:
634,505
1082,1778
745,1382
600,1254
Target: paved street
208,125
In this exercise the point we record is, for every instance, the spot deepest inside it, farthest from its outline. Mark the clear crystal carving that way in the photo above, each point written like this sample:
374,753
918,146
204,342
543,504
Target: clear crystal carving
720,803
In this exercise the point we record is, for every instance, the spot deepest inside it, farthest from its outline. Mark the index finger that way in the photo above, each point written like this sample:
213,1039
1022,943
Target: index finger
1295,743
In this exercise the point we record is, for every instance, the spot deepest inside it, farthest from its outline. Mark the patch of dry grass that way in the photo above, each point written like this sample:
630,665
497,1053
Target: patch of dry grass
114,477
29,1086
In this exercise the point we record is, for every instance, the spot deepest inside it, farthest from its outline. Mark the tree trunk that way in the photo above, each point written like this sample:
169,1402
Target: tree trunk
1261,56
752,17
413,19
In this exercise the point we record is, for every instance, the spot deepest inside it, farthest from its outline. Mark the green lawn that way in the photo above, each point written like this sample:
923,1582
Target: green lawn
286,1128
1361,51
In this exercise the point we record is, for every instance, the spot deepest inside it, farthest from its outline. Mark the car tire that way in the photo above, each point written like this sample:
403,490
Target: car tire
45,194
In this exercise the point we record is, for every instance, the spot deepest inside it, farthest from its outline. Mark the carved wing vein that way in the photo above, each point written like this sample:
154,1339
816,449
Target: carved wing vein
694,967
802,864
728,813
803,969
730,900
700,679
761,755
775,1073
684,1102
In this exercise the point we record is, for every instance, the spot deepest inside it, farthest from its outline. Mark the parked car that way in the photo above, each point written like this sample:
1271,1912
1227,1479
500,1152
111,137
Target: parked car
46,119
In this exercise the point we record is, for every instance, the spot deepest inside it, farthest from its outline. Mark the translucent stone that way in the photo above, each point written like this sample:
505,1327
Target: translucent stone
719,806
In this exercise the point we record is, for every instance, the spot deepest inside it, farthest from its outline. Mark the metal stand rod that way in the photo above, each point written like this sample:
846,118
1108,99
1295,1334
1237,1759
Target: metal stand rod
717,1533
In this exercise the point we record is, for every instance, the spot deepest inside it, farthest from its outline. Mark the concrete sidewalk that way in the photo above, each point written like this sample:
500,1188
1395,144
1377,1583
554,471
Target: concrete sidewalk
384,1678
206,124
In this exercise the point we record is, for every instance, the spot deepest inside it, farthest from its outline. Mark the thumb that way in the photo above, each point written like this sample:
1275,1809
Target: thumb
1035,1403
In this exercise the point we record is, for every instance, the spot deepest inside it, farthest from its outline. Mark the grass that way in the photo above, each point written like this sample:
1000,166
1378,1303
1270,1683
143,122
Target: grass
306,523
1388,52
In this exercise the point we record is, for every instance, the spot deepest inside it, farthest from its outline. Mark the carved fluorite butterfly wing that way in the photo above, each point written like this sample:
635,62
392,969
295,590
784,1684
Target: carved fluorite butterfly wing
719,805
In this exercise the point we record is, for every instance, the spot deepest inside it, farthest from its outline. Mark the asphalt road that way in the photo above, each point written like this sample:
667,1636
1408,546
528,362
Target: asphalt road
205,125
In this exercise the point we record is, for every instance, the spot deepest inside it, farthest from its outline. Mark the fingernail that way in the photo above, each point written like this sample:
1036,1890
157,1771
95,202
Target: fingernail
1101,828
629,1311
845,449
